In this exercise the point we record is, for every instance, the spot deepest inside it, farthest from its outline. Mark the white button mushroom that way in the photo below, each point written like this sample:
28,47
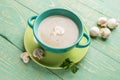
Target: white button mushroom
102,21
94,31
25,57
38,53
105,32
112,23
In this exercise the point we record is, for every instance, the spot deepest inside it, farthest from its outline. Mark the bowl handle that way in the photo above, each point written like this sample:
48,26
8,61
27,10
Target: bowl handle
29,21
79,45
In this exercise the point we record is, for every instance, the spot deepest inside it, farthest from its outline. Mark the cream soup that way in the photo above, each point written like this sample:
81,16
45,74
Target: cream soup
58,31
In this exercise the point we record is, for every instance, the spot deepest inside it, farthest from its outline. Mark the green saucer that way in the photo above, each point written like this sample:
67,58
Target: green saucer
53,60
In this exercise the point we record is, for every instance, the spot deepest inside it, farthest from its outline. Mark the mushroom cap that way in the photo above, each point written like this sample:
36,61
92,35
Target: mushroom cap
112,23
94,31
102,21
105,32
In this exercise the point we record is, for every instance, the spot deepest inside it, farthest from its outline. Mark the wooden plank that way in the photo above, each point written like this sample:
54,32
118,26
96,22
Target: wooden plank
109,8
13,20
12,67
89,16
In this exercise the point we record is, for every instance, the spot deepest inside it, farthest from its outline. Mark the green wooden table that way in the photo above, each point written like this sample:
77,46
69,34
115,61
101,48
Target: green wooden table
102,61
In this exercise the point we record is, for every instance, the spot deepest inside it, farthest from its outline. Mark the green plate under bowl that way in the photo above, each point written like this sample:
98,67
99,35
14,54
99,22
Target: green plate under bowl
53,60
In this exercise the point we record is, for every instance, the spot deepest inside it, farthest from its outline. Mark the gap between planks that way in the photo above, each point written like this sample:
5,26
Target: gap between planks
88,6
105,54
10,41
26,7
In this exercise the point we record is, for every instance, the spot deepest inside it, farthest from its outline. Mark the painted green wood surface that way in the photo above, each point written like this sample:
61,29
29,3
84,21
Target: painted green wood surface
102,61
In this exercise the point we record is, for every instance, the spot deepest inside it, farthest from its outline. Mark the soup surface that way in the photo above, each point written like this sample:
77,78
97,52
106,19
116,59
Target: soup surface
58,31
